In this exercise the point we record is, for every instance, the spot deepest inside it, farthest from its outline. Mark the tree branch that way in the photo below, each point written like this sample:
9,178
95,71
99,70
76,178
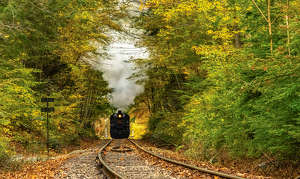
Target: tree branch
260,11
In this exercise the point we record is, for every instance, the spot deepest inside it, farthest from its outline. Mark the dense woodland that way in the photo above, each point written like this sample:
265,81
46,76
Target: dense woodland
221,76
43,50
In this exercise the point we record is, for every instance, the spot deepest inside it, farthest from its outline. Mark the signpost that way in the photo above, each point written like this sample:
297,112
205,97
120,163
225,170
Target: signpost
47,109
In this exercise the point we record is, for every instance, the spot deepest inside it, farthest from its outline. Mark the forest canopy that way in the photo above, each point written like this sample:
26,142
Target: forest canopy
43,47
222,75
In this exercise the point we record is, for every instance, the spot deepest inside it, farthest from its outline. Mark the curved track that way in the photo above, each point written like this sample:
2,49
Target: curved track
115,167
108,171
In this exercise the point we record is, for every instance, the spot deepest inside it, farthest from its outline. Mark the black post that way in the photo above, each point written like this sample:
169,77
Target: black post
47,110
47,128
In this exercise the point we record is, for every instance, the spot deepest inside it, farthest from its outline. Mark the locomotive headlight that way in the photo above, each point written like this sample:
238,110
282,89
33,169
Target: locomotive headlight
120,115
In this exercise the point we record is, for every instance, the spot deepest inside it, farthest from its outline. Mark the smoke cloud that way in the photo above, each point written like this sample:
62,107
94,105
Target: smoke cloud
115,68
116,71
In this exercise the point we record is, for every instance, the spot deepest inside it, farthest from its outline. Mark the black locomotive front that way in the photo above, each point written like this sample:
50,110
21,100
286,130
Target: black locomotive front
119,125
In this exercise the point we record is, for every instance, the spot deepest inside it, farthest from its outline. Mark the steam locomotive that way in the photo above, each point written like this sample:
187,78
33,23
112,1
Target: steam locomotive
119,125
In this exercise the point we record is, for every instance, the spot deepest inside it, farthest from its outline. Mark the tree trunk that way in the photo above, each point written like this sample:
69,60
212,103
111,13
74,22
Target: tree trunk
237,43
270,26
287,27
268,20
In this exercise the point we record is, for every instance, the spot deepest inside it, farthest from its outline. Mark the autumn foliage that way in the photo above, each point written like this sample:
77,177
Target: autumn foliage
223,76
44,47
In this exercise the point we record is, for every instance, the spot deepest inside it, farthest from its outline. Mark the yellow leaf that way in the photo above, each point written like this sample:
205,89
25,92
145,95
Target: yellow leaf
209,32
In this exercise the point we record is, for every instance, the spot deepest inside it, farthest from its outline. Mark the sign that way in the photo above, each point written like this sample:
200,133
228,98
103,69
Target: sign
47,100
49,109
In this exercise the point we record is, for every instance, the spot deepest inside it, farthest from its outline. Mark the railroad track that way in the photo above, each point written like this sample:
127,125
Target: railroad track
122,159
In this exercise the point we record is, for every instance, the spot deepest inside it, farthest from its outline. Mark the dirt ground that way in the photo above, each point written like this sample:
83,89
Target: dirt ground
266,167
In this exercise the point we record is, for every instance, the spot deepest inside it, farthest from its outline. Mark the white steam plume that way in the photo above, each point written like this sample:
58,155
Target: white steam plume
116,71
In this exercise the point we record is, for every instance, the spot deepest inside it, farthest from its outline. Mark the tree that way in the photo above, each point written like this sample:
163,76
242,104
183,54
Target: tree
227,97
43,48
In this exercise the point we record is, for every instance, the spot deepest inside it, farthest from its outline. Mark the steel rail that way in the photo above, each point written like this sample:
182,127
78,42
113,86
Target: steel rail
111,173
188,165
